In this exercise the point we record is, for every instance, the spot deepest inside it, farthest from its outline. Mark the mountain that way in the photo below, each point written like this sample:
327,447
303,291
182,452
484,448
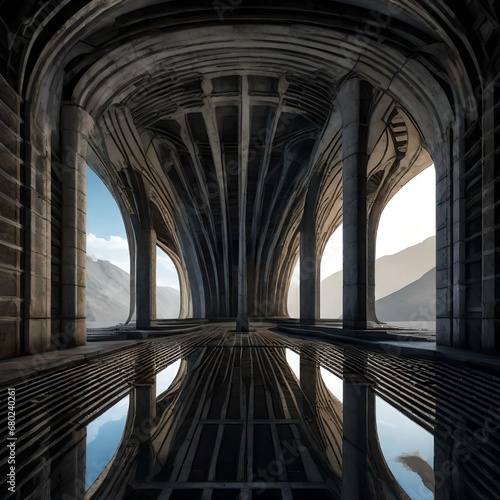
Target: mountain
168,302
393,272
108,295
414,302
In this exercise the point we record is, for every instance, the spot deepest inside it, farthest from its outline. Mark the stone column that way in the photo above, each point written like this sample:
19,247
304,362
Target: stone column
371,313
309,265
242,322
354,99
36,277
450,242
76,124
146,276
490,341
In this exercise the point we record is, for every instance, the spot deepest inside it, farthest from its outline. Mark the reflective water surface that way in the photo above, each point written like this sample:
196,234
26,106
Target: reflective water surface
408,450
103,437
335,384
263,415
165,378
293,359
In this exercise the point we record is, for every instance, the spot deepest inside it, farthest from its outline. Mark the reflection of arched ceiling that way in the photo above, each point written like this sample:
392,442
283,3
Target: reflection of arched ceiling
189,96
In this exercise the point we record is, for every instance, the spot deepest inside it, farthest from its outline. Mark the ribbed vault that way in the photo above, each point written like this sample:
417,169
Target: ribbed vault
196,112
227,112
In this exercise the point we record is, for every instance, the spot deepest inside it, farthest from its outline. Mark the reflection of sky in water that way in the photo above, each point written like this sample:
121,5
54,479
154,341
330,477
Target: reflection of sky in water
398,435
166,377
333,383
293,359
103,437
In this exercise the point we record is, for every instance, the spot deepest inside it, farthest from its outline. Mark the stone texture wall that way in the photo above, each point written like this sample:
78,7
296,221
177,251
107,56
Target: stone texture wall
450,92
11,214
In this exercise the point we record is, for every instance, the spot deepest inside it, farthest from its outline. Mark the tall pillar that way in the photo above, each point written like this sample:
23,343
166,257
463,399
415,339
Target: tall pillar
36,243
490,341
309,265
371,313
242,322
451,296
76,124
146,276
354,99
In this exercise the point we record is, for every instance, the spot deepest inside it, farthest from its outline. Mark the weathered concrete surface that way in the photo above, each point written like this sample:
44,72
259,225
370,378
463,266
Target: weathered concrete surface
226,123
355,100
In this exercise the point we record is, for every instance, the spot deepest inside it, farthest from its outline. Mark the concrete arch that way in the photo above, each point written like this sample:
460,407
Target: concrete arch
178,77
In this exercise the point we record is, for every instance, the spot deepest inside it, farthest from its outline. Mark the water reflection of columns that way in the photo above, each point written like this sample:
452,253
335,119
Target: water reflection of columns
144,407
320,407
355,441
55,474
309,372
69,473
452,444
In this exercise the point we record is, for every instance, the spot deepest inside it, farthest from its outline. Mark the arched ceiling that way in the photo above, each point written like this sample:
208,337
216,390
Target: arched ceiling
196,96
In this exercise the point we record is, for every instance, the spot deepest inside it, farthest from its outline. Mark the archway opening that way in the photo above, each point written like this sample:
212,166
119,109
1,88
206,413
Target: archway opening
293,297
108,258
331,277
405,267
167,287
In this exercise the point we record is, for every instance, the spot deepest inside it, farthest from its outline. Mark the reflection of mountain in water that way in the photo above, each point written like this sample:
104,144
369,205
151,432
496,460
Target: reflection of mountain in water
108,295
415,463
101,450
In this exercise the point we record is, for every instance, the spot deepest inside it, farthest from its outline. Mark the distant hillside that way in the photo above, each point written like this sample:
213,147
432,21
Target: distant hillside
414,302
168,302
393,272
108,295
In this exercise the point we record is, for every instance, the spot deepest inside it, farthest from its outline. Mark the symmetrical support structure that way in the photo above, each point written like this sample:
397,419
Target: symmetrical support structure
235,139
355,99
309,263
76,126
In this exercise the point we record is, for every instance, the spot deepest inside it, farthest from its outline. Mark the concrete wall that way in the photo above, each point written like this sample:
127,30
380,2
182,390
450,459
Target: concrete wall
11,222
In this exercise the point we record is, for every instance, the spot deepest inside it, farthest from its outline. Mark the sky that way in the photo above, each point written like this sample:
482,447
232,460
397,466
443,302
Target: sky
396,433
408,219
106,237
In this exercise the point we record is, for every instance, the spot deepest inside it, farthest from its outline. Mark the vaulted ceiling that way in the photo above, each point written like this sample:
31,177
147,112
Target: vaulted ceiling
226,110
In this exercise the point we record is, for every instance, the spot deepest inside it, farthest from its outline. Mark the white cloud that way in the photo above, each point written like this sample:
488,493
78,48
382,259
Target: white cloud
114,249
